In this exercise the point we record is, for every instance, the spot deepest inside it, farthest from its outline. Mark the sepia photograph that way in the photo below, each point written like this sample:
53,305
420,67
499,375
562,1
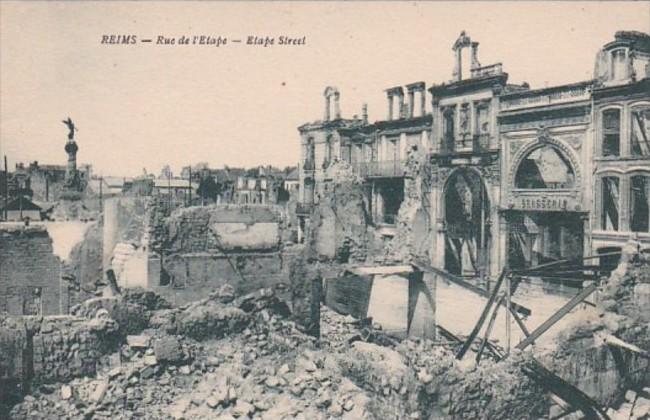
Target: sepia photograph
356,210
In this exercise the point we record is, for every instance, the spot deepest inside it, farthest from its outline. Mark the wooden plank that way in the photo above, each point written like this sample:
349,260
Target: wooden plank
577,299
488,330
481,320
467,285
538,267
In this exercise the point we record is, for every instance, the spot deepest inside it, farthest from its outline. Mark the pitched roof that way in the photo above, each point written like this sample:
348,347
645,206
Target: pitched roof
293,175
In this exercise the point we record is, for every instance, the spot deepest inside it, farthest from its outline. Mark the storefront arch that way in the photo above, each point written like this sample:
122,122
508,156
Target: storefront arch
545,220
466,214
564,152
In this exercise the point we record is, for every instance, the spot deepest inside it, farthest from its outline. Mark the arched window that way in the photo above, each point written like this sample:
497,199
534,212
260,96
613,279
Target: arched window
639,203
640,131
610,203
611,132
545,168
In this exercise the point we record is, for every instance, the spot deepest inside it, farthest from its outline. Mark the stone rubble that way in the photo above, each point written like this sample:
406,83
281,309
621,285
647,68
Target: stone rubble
229,357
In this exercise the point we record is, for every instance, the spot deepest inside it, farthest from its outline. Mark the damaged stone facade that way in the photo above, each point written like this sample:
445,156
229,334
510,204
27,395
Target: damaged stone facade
476,181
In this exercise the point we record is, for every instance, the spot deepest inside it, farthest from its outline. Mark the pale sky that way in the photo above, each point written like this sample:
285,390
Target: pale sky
142,106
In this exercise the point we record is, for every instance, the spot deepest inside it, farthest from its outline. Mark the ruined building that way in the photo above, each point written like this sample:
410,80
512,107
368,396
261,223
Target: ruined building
506,174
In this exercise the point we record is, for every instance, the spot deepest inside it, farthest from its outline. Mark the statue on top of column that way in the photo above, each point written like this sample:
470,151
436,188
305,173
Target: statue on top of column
71,127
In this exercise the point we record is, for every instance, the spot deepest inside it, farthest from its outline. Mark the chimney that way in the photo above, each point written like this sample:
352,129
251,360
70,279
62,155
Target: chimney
364,113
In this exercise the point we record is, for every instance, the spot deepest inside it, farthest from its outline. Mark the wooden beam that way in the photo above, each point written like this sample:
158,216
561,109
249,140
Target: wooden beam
577,299
614,341
564,390
465,284
488,330
481,320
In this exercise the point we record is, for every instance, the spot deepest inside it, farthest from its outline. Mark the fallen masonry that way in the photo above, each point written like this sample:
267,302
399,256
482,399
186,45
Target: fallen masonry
233,356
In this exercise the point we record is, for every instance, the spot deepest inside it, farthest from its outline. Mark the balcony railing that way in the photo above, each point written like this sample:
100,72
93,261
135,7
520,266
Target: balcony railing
476,144
382,169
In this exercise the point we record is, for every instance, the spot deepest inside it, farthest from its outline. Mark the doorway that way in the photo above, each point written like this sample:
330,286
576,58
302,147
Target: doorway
467,224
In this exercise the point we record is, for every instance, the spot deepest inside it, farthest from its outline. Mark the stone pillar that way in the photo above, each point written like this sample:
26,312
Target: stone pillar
475,64
400,101
337,106
503,240
411,103
390,107
364,113
71,170
624,210
457,67
327,108
423,98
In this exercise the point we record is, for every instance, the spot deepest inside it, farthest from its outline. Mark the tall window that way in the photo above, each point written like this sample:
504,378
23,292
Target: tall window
640,133
610,203
393,149
639,202
367,152
612,132
329,149
619,64
309,154
483,119
346,152
448,130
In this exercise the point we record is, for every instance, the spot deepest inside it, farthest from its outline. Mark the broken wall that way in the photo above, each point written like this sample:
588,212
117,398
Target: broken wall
583,358
126,238
207,247
39,350
413,236
339,223
84,267
225,228
27,262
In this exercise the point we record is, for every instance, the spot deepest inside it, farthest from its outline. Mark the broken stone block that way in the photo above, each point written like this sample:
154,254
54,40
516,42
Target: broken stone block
630,395
243,408
185,370
150,360
114,373
100,391
168,349
138,341
66,392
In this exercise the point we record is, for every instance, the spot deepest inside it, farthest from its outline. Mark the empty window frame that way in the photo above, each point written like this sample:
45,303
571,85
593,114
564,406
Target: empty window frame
639,203
640,131
611,132
610,203
448,135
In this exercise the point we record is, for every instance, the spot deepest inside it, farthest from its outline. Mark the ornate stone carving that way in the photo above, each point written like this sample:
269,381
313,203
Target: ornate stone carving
521,154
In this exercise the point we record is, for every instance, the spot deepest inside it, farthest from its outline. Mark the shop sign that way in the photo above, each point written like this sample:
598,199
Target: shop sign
545,203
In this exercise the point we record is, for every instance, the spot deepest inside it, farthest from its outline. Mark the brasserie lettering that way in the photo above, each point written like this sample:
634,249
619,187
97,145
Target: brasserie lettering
544,203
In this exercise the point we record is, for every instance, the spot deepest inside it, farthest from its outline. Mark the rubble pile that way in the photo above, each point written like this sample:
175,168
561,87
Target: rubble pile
229,356
241,357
